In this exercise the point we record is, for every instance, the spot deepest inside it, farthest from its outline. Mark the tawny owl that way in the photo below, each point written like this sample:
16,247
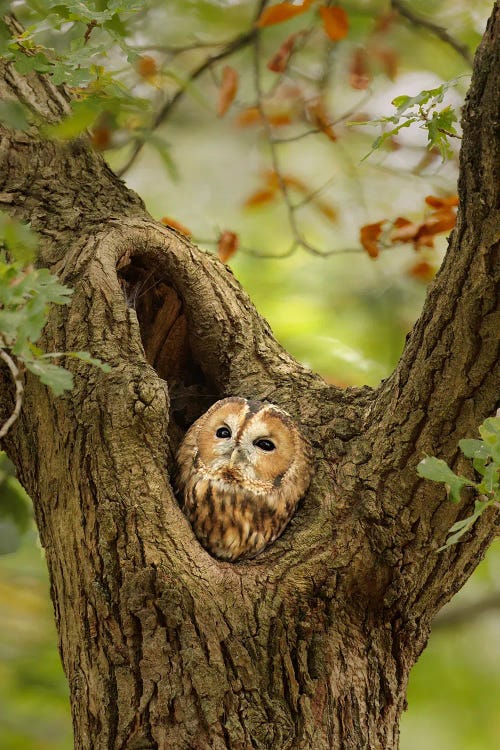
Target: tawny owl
243,467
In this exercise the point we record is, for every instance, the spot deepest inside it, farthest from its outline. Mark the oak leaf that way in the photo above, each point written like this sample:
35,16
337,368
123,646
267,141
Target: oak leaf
316,110
282,12
359,73
279,61
422,271
369,235
435,202
335,22
169,222
227,91
147,66
260,197
227,245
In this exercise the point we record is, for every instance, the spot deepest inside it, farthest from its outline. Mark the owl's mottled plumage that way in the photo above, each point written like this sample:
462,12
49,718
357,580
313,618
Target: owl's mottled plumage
243,467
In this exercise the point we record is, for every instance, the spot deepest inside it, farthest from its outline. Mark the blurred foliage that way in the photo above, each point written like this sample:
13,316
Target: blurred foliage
141,73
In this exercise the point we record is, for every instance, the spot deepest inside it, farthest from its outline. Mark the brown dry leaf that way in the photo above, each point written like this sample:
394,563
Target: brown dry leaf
147,67
260,197
101,137
227,245
435,202
281,12
335,22
227,91
359,73
169,222
279,61
319,117
369,235
422,271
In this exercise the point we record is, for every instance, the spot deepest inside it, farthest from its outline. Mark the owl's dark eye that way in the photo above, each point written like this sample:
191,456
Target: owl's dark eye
223,432
266,445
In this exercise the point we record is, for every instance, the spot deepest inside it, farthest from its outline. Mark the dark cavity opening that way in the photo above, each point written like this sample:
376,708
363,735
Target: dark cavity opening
165,337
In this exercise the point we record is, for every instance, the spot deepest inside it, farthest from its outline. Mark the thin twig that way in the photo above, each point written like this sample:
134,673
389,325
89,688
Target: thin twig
16,376
434,28
167,108
342,118
236,44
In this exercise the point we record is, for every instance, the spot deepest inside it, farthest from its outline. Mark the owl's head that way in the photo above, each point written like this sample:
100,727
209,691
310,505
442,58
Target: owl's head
241,441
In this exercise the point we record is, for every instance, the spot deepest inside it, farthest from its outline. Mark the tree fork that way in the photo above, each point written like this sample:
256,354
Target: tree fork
310,645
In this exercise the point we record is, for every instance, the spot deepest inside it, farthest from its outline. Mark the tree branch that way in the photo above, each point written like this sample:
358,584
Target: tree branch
438,31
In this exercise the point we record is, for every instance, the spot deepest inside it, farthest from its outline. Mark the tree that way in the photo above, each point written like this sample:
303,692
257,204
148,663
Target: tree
311,644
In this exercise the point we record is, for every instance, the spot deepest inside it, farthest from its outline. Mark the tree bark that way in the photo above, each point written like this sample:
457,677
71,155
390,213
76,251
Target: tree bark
310,644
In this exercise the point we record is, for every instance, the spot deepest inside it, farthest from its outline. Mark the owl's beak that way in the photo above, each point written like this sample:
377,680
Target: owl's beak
236,458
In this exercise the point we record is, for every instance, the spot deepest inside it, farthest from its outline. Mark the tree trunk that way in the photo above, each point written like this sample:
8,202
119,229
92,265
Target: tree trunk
310,644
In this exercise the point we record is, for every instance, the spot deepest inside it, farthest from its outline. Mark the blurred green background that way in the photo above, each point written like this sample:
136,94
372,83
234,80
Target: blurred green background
344,315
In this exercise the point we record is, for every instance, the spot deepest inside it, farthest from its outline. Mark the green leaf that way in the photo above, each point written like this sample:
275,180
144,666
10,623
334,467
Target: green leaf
474,448
56,378
490,432
461,527
438,471
27,63
490,482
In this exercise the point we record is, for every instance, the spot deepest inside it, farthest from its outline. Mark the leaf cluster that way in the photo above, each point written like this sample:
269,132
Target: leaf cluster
423,111
485,455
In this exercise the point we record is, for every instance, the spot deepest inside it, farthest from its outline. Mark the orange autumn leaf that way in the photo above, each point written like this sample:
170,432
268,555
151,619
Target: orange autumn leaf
281,12
146,66
227,245
279,61
439,221
252,116
320,118
169,222
435,202
279,119
274,181
227,91
260,197
248,117
422,271
359,73
369,235
335,22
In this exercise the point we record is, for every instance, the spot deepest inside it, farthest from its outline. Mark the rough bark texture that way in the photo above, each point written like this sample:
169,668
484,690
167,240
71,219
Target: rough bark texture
310,645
